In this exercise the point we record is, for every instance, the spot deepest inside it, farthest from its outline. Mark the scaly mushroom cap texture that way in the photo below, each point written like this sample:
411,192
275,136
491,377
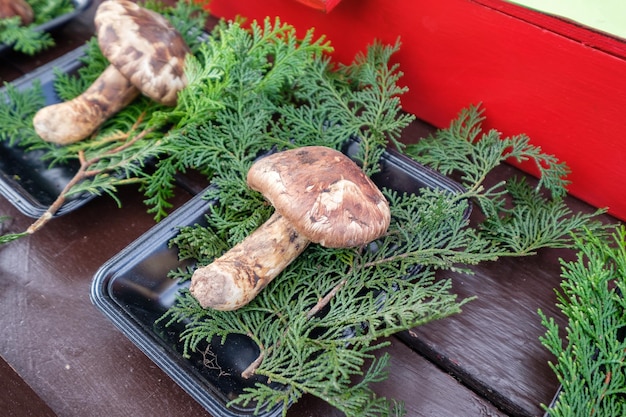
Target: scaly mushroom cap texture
324,194
144,47
10,8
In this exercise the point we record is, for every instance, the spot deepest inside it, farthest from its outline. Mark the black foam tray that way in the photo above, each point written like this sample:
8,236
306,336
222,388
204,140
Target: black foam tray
133,290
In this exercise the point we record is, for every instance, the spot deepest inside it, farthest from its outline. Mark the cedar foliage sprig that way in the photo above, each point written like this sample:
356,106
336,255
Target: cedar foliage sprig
590,351
376,292
236,84
122,149
28,39
518,217
242,84
320,354
253,89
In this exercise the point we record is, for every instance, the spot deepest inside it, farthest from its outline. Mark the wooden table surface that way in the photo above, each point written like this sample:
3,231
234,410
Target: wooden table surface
62,356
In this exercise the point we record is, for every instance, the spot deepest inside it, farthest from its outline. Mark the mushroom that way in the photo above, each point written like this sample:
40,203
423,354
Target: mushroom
146,56
11,8
320,196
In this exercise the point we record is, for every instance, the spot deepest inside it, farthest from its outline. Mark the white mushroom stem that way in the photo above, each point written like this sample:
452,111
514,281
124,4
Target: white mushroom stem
234,279
74,120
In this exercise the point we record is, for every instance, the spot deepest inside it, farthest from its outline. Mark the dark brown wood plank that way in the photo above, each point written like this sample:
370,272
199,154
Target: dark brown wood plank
420,385
493,346
17,398
9,72
56,340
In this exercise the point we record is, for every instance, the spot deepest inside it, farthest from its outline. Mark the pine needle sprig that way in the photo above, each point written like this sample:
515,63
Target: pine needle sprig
591,365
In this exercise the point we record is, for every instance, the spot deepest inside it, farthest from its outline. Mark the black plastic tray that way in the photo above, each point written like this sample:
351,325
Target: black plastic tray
133,290
79,7
26,180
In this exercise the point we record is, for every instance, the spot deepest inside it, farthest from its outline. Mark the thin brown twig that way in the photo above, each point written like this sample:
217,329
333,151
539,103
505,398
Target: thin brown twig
323,302
83,173
251,369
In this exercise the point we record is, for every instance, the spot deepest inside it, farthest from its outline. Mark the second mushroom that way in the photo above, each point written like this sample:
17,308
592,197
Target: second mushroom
319,195
146,56
11,8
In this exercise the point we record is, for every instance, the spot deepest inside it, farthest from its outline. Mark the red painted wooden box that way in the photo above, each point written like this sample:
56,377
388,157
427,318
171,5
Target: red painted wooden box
562,84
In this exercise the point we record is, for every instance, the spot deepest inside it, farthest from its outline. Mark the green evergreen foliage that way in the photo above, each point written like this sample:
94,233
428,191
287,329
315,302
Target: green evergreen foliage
27,39
17,114
122,150
517,217
311,352
263,86
383,289
590,351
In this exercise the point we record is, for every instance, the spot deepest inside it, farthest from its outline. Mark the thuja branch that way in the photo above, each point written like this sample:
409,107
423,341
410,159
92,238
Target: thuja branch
321,303
84,172
518,217
589,351
431,256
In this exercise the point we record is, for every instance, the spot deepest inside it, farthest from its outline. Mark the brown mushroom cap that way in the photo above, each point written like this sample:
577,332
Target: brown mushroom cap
144,47
324,194
10,8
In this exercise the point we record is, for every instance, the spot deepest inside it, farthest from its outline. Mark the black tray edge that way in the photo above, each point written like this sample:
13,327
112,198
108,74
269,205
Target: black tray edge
162,233
132,329
12,190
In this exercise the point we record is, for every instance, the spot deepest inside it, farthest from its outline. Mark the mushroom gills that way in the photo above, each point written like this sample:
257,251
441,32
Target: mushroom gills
234,279
73,120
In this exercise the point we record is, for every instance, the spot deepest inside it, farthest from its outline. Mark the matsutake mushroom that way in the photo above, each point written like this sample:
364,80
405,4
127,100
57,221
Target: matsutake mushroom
146,56
12,8
319,196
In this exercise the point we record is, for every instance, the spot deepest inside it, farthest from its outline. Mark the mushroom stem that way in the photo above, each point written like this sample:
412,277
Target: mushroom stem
73,120
235,278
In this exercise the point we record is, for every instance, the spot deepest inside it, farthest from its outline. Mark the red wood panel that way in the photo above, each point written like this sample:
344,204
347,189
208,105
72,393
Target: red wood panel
323,5
568,96
591,37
